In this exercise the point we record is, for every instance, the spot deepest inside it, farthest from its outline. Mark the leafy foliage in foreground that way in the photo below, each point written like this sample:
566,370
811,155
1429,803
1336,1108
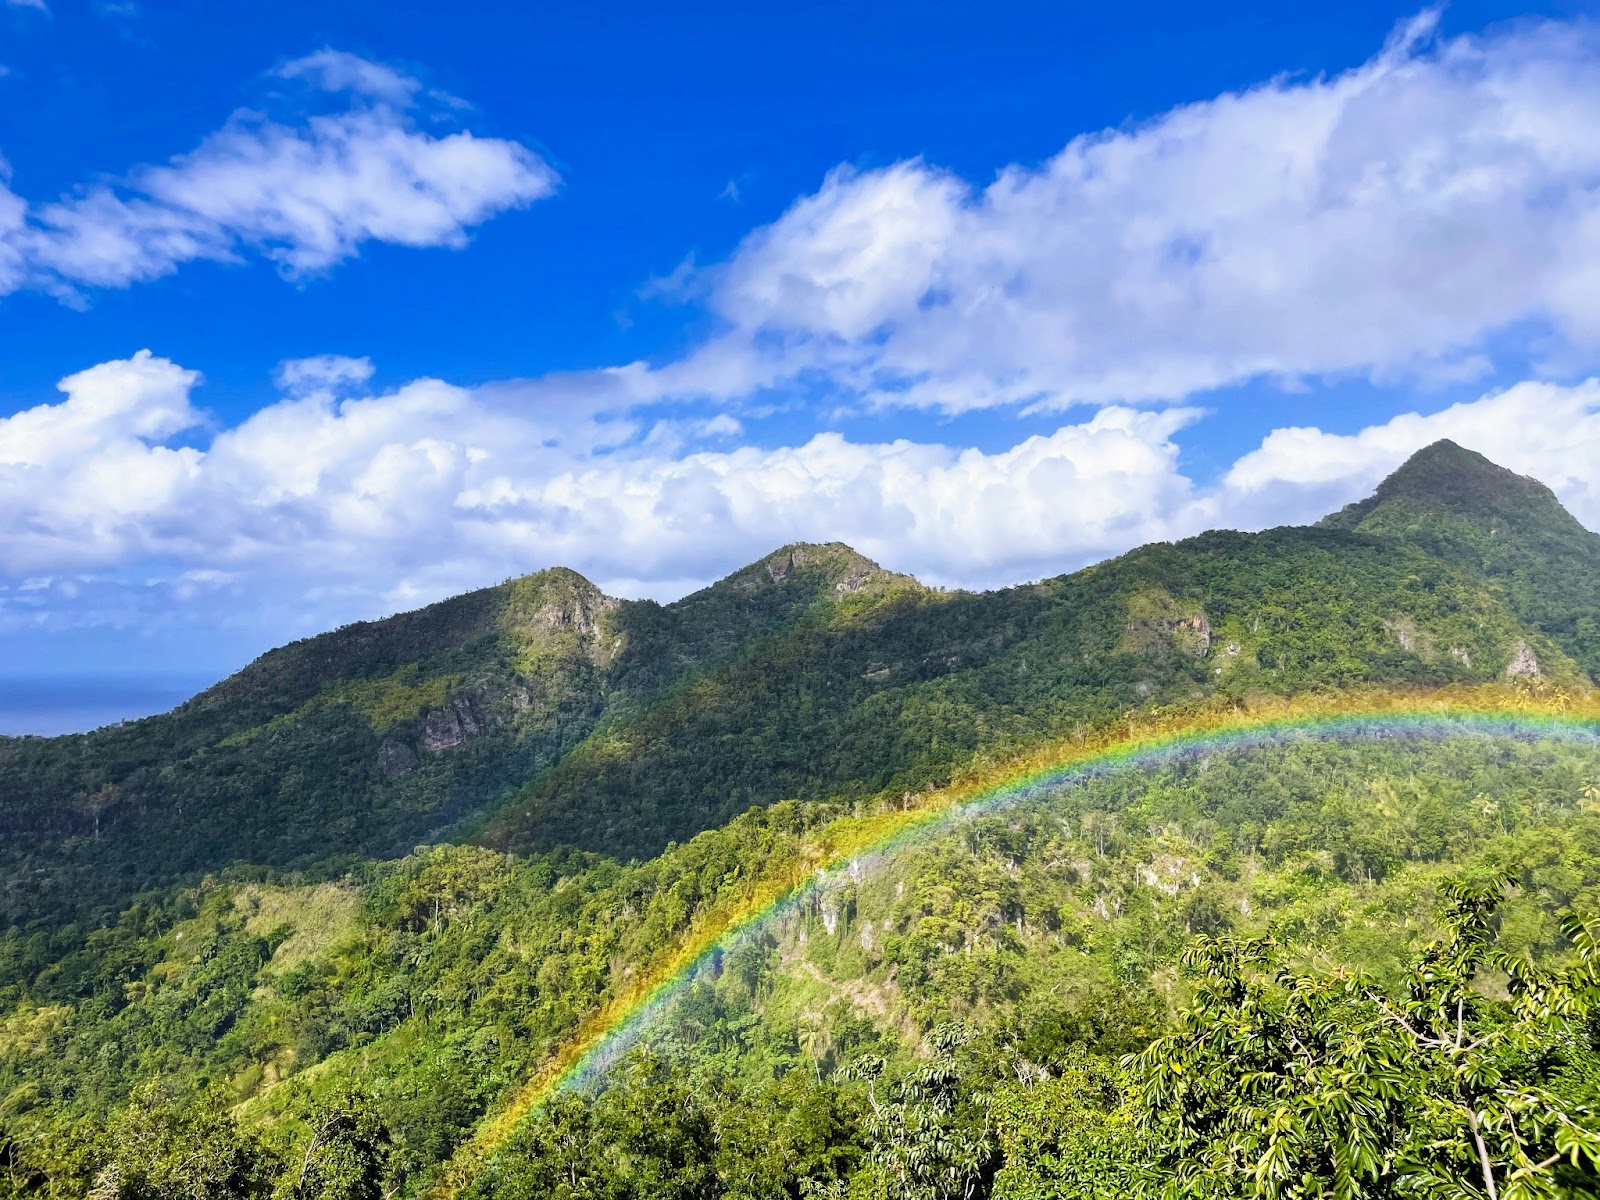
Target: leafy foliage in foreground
1286,1083
1212,978
431,986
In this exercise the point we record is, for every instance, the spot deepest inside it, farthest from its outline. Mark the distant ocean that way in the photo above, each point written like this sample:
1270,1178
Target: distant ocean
75,704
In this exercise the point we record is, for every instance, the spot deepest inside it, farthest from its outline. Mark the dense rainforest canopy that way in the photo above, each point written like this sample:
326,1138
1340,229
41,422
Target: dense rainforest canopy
312,931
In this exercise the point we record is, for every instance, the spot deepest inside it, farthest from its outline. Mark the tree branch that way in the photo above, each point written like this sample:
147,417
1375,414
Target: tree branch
1421,1039
1483,1155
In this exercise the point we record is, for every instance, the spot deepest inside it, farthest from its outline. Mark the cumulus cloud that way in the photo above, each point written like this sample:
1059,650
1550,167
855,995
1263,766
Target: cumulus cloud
89,481
432,486
1387,221
306,194
355,504
1547,431
140,399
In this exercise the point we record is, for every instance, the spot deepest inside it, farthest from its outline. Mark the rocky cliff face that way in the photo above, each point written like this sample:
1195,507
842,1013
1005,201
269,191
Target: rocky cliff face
396,758
450,726
557,614
1158,624
1523,664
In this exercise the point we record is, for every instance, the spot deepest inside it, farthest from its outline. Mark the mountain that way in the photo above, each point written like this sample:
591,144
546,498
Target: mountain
893,696
317,932
366,740
541,713
1455,503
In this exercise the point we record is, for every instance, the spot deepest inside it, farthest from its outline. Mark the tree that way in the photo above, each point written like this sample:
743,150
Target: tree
929,1135
1065,1131
1279,1083
792,1136
553,1154
348,1154
162,1152
1589,795
648,1137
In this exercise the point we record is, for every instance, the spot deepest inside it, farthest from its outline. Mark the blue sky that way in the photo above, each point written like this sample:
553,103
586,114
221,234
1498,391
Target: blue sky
432,298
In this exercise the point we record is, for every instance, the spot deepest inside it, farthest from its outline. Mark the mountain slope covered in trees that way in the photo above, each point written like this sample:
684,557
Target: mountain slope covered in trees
309,933
542,713
1457,504
414,996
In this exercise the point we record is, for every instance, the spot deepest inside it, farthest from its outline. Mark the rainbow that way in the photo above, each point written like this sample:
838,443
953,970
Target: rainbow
1140,740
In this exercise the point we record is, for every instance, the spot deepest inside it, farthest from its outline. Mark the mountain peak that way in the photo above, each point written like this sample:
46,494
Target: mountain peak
1449,474
817,565
1456,504
551,603
1446,477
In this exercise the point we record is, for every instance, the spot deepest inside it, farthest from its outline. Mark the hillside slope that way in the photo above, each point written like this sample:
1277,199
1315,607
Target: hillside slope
429,989
1455,503
367,740
541,713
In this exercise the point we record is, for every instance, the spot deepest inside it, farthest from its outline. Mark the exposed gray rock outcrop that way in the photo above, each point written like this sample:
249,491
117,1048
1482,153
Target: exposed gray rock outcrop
450,726
1523,664
1193,633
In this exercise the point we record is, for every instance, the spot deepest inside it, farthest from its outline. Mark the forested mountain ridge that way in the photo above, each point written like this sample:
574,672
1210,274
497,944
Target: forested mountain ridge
858,701
541,713
1309,967
1457,504
366,740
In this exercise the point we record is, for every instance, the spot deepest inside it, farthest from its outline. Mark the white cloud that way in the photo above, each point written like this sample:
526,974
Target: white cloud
332,372
1549,432
431,487
140,399
88,481
336,71
117,507
1387,221
305,195
40,5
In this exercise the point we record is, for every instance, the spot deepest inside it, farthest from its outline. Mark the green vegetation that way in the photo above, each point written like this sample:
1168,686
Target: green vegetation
384,702
540,713
367,741
1461,507
423,990
893,696
306,934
